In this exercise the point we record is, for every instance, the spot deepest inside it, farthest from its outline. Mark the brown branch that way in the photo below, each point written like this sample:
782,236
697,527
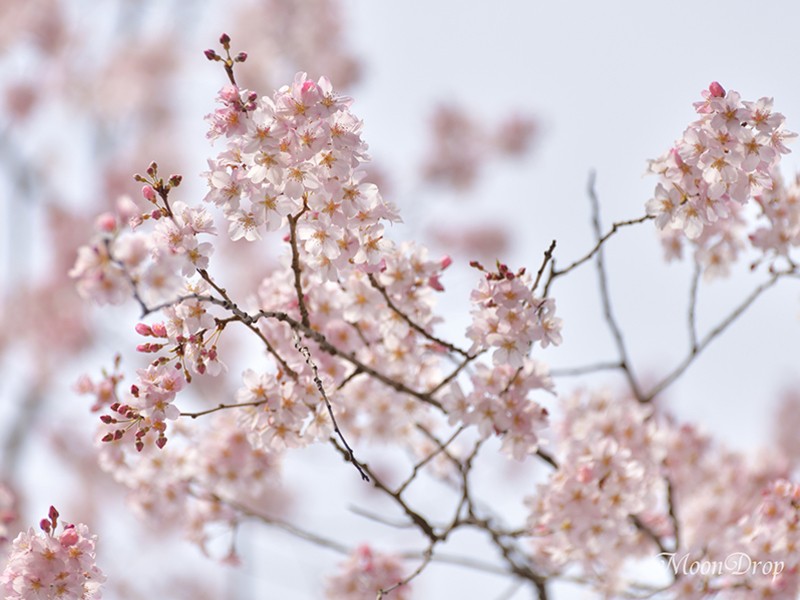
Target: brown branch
380,519
419,329
711,335
546,457
289,528
302,349
548,255
556,273
673,513
219,407
518,568
577,371
605,297
441,448
454,373
422,524
427,556
649,533
326,346
296,269
692,317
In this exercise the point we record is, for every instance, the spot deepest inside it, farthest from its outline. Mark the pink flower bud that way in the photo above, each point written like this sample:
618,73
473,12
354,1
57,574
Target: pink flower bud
211,55
717,91
44,525
446,262
69,537
159,330
156,214
143,329
433,281
149,193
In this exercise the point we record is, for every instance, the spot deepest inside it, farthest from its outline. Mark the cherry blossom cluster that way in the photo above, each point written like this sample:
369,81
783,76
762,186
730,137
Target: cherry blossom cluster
509,318
781,210
146,408
191,488
499,405
296,157
355,316
365,573
53,566
154,264
163,263
609,477
724,159
699,470
200,490
756,557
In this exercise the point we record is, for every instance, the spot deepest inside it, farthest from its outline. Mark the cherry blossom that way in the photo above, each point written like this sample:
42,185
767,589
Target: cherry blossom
52,565
725,160
509,318
364,574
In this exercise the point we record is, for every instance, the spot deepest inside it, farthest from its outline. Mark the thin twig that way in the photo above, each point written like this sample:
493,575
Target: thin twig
441,448
219,407
548,255
556,273
649,533
585,370
546,457
296,269
711,335
673,513
454,373
289,528
511,591
303,349
416,327
422,524
380,519
692,319
427,556
616,332
329,348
